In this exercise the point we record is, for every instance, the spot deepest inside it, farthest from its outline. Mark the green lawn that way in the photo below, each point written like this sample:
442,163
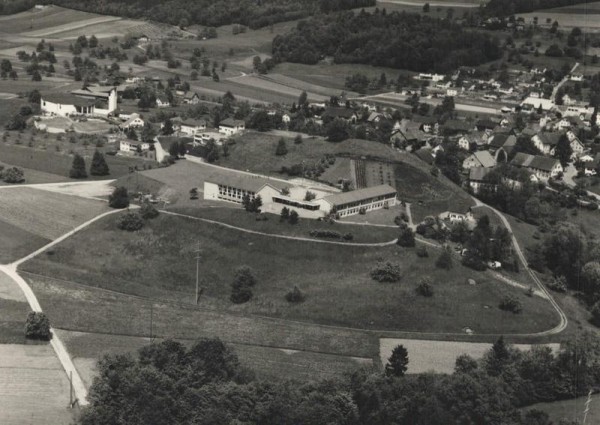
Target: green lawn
159,262
13,312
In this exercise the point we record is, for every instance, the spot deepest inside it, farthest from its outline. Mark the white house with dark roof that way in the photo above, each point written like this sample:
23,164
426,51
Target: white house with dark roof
229,126
191,98
134,121
191,127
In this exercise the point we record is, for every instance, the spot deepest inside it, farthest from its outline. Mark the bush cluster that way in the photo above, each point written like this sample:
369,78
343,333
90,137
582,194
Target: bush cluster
37,326
295,296
512,304
386,272
243,281
425,287
130,221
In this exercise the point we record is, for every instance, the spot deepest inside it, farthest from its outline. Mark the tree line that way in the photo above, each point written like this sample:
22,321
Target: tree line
205,383
212,13
396,40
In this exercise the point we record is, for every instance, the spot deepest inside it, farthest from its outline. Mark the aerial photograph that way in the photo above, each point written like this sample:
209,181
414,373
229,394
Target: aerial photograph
299,212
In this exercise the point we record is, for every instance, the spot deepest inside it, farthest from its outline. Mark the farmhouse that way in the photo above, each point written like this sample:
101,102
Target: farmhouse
162,102
477,179
334,112
359,201
229,126
542,167
479,159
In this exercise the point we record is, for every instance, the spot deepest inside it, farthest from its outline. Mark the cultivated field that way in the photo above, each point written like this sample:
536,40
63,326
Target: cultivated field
13,312
17,242
46,214
267,84
438,356
33,387
35,20
324,274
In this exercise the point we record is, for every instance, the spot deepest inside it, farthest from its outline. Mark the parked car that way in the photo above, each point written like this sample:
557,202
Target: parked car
494,265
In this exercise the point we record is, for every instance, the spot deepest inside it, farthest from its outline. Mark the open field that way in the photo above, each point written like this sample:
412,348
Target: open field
322,273
439,356
33,387
265,84
17,242
240,218
46,214
569,19
35,176
255,152
59,164
302,85
83,308
35,20
267,362
571,410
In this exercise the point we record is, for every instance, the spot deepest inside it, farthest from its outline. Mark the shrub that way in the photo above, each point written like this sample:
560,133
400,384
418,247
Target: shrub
510,303
425,288
295,296
240,295
293,219
422,251
78,168
406,237
131,222
119,198
387,272
244,276
444,261
13,175
558,284
37,326
148,212
330,234
348,236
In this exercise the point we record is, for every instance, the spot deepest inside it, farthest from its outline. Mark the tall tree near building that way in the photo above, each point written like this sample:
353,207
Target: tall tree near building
78,168
563,150
99,166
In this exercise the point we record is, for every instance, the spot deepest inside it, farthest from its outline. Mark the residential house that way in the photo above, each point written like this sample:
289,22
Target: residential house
229,126
191,98
134,121
127,145
191,127
542,167
546,142
427,124
162,102
486,124
473,141
477,178
425,155
337,112
479,159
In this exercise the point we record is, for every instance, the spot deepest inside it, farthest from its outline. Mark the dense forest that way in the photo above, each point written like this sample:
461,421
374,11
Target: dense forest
205,384
510,7
397,40
214,13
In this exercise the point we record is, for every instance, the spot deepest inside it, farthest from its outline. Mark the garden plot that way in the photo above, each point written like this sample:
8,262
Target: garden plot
273,86
46,214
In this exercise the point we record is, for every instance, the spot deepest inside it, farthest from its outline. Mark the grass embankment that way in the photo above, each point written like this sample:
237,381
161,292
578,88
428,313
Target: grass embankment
158,262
